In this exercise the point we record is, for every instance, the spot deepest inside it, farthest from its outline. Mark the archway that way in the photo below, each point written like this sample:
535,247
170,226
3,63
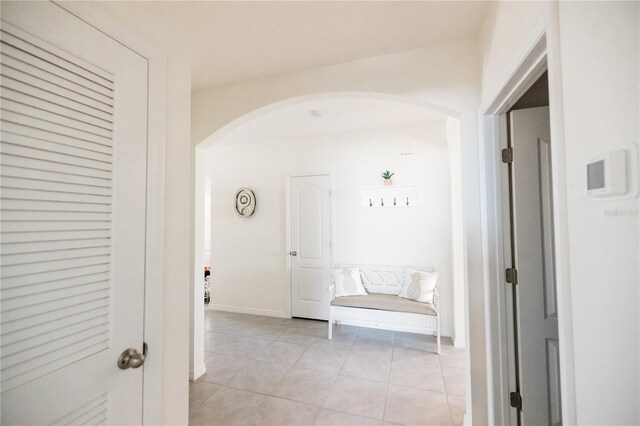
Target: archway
229,134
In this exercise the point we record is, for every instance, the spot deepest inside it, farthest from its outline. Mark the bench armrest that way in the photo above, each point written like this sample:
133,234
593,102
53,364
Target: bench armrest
332,291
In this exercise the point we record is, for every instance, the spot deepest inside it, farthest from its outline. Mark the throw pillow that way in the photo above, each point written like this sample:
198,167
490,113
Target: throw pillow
348,282
419,285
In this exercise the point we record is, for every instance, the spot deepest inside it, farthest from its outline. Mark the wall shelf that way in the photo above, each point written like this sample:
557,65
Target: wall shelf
391,196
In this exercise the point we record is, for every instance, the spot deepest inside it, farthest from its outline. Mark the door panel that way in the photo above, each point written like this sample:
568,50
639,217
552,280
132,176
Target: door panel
534,254
311,240
72,232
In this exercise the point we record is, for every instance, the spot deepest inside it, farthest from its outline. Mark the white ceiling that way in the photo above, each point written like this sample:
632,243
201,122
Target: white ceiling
296,122
229,42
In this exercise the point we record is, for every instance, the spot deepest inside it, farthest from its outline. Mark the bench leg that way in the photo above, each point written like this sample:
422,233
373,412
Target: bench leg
330,327
438,333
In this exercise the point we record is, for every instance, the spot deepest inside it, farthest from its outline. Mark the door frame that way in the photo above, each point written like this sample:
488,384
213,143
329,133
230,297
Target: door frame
154,245
332,221
541,55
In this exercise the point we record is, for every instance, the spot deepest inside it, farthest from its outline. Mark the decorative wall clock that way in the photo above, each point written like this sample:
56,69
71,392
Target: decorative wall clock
245,202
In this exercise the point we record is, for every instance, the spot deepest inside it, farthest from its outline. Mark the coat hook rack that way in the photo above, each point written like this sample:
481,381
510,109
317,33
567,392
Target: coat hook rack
390,196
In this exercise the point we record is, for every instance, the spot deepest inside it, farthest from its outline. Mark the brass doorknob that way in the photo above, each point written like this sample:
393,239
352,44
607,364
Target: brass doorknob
130,358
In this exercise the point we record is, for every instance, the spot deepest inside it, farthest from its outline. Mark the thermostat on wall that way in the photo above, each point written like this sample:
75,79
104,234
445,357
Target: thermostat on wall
613,175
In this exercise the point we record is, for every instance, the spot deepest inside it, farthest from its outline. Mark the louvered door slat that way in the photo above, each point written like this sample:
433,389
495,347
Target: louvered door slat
41,339
29,227
98,420
75,348
13,68
48,106
49,186
58,156
9,238
58,96
52,296
49,283
53,176
52,306
60,117
86,413
45,246
55,148
53,127
23,284
56,265
8,260
57,196
31,132
94,99
21,60
96,305
49,327
57,206
73,65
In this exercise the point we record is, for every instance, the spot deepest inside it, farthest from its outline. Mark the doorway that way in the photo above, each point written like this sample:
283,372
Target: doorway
310,245
526,345
530,259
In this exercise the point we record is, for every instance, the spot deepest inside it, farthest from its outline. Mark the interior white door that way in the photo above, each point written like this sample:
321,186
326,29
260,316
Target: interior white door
534,261
73,170
310,246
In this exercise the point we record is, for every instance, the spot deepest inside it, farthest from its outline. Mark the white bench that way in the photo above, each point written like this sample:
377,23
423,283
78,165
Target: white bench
382,308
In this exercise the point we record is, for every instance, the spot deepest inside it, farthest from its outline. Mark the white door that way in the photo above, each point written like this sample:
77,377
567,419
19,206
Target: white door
310,246
534,261
73,170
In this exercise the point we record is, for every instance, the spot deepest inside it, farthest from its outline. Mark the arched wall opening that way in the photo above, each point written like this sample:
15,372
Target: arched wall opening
415,118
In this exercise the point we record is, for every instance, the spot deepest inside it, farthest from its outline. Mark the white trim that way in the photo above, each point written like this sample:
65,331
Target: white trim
154,282
561,221
250,311
198,370
458,342
542,55
332,221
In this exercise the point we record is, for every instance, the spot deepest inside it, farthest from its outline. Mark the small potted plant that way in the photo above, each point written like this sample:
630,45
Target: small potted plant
387,178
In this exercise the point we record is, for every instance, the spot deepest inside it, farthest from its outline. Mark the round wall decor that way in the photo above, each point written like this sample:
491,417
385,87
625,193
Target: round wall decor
245,202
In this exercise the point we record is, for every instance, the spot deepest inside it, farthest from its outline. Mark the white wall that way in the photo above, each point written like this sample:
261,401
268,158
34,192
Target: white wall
178,264
444,76
600,56
594,90
250,255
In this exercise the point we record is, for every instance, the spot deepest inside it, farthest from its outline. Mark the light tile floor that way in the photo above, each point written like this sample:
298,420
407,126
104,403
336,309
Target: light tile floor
272,371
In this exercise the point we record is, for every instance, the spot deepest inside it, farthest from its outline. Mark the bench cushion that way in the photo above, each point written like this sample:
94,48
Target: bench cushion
385,302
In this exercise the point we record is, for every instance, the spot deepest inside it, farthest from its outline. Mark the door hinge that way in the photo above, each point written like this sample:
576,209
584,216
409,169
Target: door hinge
515,399
507,155
511,275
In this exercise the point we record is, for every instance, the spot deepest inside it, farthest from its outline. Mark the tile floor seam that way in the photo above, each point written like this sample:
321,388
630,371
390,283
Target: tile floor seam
386,397
202,403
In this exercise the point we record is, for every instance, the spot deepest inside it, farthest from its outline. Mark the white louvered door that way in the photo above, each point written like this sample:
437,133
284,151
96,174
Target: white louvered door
72,228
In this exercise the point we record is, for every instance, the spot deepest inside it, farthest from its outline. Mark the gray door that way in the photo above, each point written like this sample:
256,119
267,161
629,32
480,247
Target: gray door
535,305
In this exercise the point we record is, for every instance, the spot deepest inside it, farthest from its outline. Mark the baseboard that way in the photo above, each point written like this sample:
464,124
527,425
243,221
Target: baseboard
459,342
197,371
250,311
